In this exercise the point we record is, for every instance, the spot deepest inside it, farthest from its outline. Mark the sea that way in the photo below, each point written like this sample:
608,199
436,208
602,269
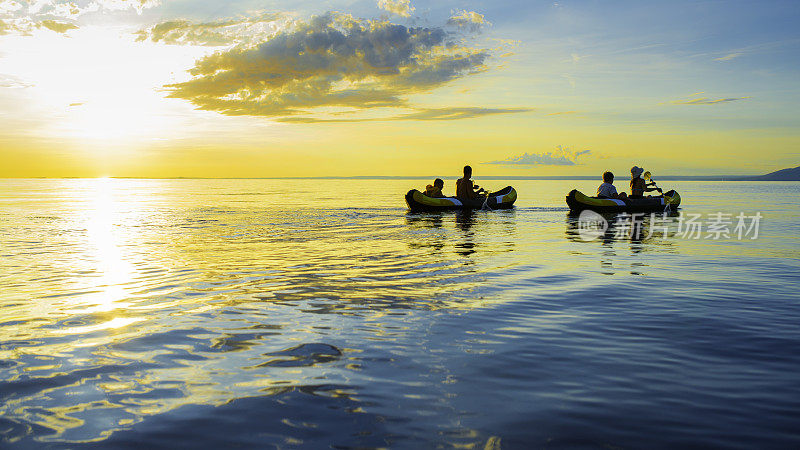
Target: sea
321,313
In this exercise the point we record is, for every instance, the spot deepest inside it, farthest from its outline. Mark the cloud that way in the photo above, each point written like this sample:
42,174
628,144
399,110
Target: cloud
695,99
9,6
58,27
71,10
121,5
562,156
23,16
68,8
420,114
469,20
226,32
25,26
333,63
729,57
12,82
458,113
402,8
16,25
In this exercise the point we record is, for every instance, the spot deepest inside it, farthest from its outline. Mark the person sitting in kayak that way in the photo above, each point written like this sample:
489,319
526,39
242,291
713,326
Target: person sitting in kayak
638,185
435,190
607,189
465,189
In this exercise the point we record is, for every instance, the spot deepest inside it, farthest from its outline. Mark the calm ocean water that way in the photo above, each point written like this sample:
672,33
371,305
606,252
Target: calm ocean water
264,313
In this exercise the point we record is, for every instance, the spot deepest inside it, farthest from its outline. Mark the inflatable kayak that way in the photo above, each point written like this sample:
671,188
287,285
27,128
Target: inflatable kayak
577,201
502,199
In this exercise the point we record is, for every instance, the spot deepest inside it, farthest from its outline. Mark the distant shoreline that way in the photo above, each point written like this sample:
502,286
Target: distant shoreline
735,178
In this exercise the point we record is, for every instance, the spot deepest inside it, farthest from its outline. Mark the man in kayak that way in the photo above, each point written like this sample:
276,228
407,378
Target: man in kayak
465,189
607,189
638,185
435,190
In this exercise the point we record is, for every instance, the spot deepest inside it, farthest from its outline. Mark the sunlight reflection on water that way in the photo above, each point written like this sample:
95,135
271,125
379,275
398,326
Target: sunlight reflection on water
132,300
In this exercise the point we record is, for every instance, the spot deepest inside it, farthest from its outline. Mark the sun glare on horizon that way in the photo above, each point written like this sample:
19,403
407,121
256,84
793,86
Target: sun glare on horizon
100,85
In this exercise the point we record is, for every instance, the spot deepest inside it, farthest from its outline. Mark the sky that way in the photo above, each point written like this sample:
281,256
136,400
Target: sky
245,88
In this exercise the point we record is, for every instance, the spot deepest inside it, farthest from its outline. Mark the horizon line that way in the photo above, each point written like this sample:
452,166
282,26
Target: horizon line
410,177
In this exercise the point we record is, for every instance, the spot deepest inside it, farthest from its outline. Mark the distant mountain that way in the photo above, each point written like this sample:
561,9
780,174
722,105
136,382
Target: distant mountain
779,175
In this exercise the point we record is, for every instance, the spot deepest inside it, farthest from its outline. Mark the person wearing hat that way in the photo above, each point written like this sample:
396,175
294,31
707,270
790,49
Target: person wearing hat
638,185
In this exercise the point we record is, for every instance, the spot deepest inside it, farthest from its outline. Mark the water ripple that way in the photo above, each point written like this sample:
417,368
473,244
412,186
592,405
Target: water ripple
172,313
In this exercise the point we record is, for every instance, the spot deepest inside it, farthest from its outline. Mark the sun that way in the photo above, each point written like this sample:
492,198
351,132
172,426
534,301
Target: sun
98,84
107,119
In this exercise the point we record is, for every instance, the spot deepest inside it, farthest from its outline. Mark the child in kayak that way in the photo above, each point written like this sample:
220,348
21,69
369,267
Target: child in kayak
607,189
435,190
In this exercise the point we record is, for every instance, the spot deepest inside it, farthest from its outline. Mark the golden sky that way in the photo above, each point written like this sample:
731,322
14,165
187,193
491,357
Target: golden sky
149,88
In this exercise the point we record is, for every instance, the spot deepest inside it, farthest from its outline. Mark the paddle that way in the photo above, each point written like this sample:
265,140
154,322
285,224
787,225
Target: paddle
648,177
485,200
